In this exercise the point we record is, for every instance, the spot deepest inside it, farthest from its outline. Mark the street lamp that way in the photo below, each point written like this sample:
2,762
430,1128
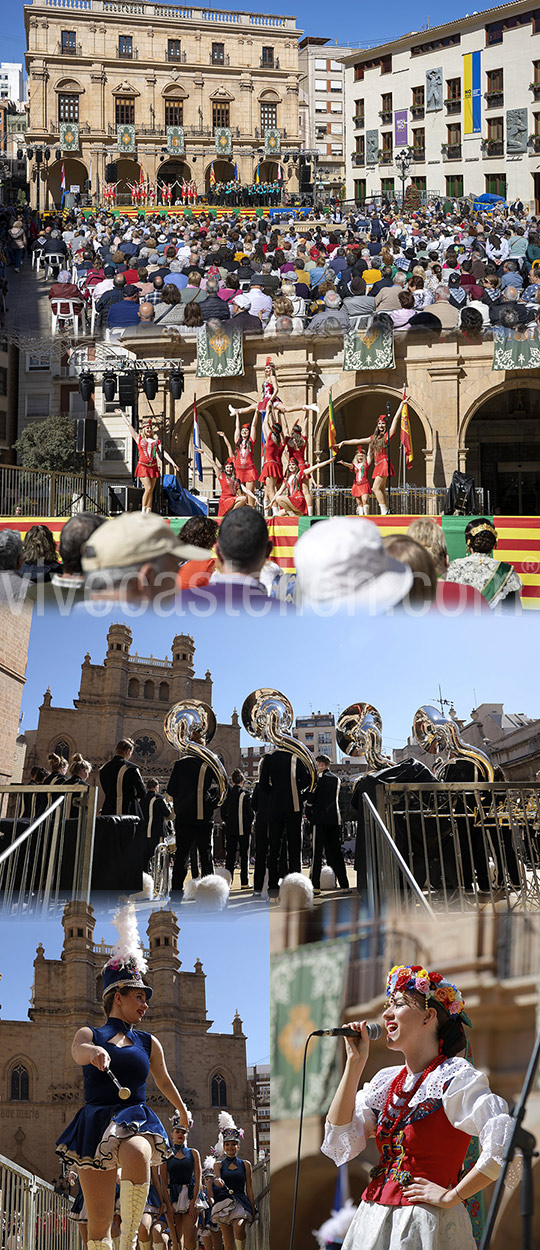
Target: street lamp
40,155
403,162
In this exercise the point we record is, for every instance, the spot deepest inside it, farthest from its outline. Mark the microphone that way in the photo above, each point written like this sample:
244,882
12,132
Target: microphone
388,411
374,1032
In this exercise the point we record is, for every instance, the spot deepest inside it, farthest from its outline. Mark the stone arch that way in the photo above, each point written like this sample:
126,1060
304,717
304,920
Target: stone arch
269,96
499,445
70,86
76,175
175,91
149,689
133,688
213,413
164,692
268,170
129,171
174,170
14,1062
372,398
223,170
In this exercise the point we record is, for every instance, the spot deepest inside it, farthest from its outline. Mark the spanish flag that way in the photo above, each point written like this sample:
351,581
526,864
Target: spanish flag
332,438
405,432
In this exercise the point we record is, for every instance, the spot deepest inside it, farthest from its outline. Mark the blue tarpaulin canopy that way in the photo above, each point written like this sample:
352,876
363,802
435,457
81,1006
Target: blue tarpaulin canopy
181,503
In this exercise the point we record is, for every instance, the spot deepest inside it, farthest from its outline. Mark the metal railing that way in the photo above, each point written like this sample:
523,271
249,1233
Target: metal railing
405,501
37,492
259,1233
32,1213
452,846
46,845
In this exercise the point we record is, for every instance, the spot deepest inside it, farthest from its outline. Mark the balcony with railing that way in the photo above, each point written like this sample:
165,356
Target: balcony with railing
419,155
418,111
358,158
176,58
453,105
214,59
535,88
127,54
494,99
269,62
534,144
358,121
492,147
451,151
386,117
69,49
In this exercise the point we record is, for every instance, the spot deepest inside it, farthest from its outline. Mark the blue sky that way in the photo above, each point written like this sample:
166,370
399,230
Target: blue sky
321,665
197,940
371,26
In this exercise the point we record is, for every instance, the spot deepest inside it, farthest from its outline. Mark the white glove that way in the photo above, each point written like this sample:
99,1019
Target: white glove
233,411
311,407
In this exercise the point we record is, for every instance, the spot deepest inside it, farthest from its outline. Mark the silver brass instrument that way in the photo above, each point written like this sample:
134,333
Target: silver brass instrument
267,714
429,726
359,732
193,717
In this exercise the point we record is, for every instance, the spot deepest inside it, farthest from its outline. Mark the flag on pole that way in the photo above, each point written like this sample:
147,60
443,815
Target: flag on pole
141,175
212,178
332,437
197,461
279,172
257,178
235,172
63,185
405,432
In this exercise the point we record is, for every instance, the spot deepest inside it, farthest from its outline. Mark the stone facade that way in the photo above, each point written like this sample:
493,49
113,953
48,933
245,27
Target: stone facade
157,65
129,696
13,659
67,994
419,78
323,119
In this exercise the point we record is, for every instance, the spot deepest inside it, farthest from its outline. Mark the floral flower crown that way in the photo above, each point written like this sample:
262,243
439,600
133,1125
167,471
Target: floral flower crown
417,980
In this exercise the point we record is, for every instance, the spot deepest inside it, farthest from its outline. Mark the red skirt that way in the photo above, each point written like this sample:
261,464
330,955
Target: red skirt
361,488
272,469
146,470
225,504
380,468
248,474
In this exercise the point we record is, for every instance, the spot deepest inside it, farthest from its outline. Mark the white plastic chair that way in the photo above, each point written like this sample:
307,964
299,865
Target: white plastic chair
93,315
54,260
71,316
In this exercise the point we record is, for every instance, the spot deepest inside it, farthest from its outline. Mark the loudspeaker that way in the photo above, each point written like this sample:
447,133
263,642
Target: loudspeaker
304,173
133,498
213,507
86,438
111,172
126,390
117,500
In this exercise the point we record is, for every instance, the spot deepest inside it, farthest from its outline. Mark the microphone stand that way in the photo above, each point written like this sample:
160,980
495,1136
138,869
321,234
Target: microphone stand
525,1142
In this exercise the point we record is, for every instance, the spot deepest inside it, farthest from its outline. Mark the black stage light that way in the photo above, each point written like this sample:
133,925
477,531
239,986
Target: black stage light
176,383
150,384
47,154
108,383
58,154
30,153
87,384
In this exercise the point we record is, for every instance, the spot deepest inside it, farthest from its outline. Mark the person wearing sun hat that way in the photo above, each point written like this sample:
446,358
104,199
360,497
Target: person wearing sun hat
232,1177
423,1115
115,1128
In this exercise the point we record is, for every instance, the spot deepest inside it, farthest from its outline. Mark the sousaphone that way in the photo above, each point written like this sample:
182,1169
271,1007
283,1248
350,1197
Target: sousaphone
268,715
359,732
189,726
429,726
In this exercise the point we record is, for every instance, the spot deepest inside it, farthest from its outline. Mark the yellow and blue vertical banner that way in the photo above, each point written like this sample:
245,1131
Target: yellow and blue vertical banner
472,94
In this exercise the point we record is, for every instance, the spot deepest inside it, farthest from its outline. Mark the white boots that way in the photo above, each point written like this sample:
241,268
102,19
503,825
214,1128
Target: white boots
132,1204
106,1244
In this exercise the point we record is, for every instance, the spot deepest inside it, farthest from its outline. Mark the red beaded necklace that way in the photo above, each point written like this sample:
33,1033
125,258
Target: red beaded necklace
389,1116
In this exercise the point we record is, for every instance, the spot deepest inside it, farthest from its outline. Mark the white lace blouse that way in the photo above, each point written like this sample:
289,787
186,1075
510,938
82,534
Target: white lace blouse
468,1103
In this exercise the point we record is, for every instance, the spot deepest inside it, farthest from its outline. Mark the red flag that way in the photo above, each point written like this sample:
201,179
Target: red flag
405,433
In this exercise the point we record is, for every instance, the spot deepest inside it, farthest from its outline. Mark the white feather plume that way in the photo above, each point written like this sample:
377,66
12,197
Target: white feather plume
225,1120
296,892
328,878
337,1226
129,945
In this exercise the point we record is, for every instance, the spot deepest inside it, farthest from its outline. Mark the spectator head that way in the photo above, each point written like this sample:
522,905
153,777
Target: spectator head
39,546
241,303
194,277
400,278
471,320
511,294
481,535
509,318
431,536
332,300
134,558
200,531
147,312
341,563
212,286
406,299
285,325
171,294
124,748
119,281
158,282
424,587
193,315
237,777
243,544
109,271
152,784
64,276
131,293
357,285
442,294
75,533
11,550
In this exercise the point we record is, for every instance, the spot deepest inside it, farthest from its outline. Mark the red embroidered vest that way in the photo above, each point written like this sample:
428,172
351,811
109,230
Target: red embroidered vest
427,1145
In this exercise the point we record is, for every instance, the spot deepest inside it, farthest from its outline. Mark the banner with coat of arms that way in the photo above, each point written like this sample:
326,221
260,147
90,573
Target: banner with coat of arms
272,142
369,349
306,992
219,352
69,136
125,136
223,137
516,349
175,140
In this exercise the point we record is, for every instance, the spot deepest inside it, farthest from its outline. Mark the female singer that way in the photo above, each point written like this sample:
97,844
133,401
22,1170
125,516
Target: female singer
361,489
294,502
423,1116
180,1178
236,1209
109,1132
147,468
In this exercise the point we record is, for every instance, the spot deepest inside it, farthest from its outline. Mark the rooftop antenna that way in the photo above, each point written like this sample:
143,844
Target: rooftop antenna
442,703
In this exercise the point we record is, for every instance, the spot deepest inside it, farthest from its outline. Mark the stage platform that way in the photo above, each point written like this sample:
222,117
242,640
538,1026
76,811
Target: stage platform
178,210
519,540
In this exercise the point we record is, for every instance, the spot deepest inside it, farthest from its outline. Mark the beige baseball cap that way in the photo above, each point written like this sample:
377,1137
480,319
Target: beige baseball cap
135,538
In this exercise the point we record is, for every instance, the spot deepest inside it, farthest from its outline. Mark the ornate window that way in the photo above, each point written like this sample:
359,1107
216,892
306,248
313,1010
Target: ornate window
69,41
133,688
174,112
19,1084
268,117
221,114
149,690
164,692
218,55
219,1091
125,47
174,50
68,108
62,748
125,110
